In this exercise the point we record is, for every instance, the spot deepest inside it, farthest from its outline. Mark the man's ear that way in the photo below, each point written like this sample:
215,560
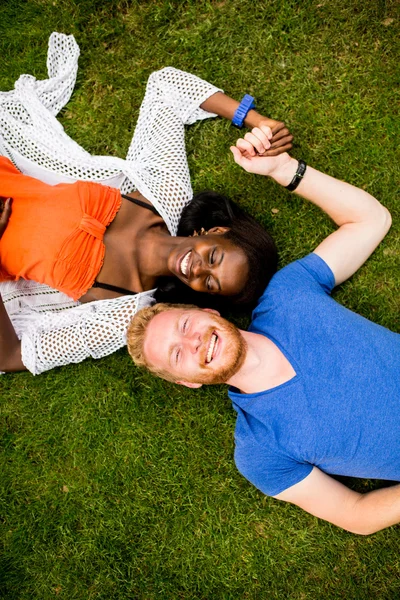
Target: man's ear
212,310
190,385
219,230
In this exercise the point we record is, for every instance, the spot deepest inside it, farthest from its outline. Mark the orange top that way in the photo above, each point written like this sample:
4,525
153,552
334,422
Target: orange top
55,232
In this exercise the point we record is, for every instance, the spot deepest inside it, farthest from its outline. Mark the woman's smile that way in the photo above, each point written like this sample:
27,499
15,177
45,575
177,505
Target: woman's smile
184,263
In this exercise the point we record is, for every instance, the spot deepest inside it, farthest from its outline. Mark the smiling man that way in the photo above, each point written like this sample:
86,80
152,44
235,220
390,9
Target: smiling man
316,386
197,343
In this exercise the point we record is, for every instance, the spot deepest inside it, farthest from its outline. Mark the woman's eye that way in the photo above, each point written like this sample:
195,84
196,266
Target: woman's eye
212,256
177,356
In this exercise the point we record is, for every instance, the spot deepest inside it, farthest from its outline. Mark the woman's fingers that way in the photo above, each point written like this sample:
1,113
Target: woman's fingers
281,141
282,133
274,151
278,126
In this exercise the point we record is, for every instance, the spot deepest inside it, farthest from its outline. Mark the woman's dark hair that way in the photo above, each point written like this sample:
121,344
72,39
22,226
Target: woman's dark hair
210,209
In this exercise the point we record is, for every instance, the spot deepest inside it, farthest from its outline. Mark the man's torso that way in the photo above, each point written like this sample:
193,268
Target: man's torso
340,411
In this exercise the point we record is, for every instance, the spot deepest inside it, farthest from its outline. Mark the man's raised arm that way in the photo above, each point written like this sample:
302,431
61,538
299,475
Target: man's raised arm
363,221
328,499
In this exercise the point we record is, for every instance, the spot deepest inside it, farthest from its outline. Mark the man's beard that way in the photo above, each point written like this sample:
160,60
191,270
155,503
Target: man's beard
234,353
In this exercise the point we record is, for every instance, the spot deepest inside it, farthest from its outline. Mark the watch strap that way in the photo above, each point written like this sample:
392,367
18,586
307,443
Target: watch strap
246,104
301,169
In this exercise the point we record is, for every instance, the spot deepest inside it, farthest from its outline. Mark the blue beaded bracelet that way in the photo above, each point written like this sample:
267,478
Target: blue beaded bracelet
246,104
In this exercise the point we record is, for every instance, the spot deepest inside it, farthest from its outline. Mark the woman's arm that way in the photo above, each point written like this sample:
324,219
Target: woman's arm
54,339
157,153
10,346
363,221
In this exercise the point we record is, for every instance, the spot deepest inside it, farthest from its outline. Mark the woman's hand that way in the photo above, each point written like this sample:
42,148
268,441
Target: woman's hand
5,214
251,153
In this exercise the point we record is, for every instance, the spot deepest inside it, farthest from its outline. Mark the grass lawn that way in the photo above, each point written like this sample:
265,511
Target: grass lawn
115,485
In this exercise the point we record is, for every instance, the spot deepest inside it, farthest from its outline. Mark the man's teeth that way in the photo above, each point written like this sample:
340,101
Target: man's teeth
211,347
185,262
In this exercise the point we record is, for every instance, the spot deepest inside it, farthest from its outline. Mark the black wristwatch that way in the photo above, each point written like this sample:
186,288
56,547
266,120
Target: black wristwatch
301,169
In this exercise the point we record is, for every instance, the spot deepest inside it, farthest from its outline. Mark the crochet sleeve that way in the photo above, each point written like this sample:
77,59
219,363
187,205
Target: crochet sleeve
62,67
30,134
92,330
172,100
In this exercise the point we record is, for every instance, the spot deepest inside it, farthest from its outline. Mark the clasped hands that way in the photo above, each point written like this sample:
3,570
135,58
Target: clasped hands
263,150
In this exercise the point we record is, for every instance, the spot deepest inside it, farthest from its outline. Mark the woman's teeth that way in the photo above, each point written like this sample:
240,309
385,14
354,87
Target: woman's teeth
210,352
185,263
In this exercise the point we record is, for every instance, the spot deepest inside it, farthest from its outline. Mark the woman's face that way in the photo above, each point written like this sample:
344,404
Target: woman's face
210,264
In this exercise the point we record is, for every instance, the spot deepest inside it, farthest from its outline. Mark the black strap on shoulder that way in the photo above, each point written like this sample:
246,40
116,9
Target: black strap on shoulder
141,203
113,288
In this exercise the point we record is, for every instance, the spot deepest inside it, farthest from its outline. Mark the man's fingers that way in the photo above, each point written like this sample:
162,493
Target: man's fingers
240,158
265,129
237,155
259,139
246,147
279,147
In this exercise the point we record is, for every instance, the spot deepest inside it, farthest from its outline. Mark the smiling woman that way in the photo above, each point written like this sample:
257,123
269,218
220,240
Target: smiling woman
237,236
89,240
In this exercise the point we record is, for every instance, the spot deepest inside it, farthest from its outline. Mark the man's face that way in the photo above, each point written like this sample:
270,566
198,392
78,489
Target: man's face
194,346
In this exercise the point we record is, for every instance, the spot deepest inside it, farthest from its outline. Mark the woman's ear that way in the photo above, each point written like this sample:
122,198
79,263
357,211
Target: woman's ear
218,230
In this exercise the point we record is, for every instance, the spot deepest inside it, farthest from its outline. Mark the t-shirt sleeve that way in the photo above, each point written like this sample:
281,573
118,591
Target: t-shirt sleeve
308,273
270,472
318,269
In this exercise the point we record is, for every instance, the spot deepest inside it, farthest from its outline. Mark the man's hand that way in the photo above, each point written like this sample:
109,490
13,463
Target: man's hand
251,153
5,207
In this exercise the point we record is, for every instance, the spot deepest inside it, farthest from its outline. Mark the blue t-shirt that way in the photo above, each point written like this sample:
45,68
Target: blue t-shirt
341,411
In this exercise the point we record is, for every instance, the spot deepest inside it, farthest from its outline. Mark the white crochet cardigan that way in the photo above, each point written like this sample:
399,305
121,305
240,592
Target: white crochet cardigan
54,330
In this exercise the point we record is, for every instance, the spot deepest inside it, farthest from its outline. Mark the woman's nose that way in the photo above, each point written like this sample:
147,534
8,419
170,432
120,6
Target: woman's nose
199,268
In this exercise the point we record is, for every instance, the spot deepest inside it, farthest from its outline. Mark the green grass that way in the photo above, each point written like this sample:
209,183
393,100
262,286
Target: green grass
117,486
